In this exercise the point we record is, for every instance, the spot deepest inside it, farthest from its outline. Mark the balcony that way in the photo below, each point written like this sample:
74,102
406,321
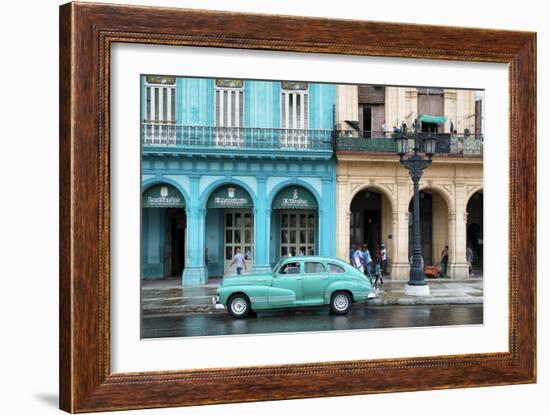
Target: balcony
457,145
192,140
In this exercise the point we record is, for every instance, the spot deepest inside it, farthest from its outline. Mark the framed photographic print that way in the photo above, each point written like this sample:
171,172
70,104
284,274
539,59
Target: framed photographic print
297,207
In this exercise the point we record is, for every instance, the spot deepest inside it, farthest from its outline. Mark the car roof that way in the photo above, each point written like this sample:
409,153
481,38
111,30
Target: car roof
313,258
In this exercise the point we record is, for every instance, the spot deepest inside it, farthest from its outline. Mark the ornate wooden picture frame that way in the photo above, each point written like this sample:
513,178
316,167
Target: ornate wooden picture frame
87,32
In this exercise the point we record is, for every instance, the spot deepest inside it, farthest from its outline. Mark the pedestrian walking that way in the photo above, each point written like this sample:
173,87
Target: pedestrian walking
239,261
358,260
378,254
378,273
470,259
384,259
351,252
367,261
444,262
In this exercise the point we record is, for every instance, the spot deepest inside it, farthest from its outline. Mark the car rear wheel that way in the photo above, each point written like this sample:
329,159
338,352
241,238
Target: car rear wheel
238,306
340,302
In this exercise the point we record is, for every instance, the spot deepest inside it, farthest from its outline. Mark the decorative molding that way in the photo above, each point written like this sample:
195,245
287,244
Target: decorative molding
389,186
447,188
450,95
411,94
342,179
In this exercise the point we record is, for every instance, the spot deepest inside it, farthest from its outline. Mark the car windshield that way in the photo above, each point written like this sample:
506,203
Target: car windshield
277,266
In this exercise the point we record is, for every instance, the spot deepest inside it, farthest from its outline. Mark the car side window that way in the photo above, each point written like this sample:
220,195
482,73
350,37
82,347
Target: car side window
336,269
290,268
314,268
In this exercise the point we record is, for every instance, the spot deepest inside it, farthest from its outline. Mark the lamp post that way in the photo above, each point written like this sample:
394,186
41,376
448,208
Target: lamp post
416,164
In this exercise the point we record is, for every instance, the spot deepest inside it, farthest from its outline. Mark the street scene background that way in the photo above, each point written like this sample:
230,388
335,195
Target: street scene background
263,170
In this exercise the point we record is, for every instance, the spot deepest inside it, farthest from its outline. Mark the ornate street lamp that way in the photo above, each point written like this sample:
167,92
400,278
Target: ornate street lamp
416,164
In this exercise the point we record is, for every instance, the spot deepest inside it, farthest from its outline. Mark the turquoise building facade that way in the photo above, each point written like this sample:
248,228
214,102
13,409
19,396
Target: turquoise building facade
235,166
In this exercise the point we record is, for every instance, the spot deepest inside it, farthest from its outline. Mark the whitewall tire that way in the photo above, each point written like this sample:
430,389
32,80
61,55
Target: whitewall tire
238,306
340,302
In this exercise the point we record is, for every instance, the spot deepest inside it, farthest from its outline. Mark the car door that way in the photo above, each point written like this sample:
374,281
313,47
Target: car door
315,282
287,278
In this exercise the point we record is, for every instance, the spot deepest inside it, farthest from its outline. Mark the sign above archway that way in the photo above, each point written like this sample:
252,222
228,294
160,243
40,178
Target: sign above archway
229,197
163,196
294,197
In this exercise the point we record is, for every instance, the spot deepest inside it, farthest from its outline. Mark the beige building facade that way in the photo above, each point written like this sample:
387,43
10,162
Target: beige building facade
406,104
374,191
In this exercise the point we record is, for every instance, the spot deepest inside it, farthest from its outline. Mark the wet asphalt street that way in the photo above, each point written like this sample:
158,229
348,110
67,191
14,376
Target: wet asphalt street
284,321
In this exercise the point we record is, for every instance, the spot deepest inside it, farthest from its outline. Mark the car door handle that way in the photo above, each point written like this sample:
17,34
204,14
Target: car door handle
299,279
324,278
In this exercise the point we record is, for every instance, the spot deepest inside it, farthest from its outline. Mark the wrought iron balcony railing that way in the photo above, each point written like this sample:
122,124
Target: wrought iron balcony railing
382,142
191,136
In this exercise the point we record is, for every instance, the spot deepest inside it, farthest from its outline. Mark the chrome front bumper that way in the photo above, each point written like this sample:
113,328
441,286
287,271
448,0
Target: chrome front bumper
215,302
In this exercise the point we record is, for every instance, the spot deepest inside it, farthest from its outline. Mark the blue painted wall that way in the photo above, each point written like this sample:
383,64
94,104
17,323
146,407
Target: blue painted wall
262,108
322,104
262,103
205,226
195,101
214,241
275,237
143,99
153,221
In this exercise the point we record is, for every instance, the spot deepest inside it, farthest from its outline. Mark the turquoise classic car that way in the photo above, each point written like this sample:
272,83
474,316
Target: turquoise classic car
295,282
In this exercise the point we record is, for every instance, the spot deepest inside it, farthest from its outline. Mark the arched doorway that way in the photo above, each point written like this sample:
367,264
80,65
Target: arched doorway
434,226
371,222
474,232
229,229
163,231
294,223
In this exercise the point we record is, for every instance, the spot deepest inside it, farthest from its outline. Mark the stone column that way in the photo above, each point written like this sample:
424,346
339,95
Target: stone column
195,272
400,264
458,267
326,219
261,229
342,218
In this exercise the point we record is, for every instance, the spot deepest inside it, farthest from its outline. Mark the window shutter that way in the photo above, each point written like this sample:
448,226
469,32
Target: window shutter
233,120
306,111
173,104
218,115
283,111
148,104
241,112
164,104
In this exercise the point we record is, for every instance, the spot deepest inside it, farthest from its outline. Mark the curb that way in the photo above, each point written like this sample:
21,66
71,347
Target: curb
377,302
426,301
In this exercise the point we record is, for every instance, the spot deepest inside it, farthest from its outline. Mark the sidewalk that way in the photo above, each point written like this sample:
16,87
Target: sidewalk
168,296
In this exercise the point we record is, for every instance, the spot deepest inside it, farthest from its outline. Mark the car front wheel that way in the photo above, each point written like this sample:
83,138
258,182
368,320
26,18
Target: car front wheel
340,302
238,306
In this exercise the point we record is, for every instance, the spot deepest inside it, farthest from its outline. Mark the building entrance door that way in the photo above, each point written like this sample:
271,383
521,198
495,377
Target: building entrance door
366,220
298,232
474,231
239,235
372,229
174,241
178,244
425,228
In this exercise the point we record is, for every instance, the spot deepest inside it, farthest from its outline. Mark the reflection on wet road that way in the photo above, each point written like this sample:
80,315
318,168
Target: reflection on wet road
285,321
